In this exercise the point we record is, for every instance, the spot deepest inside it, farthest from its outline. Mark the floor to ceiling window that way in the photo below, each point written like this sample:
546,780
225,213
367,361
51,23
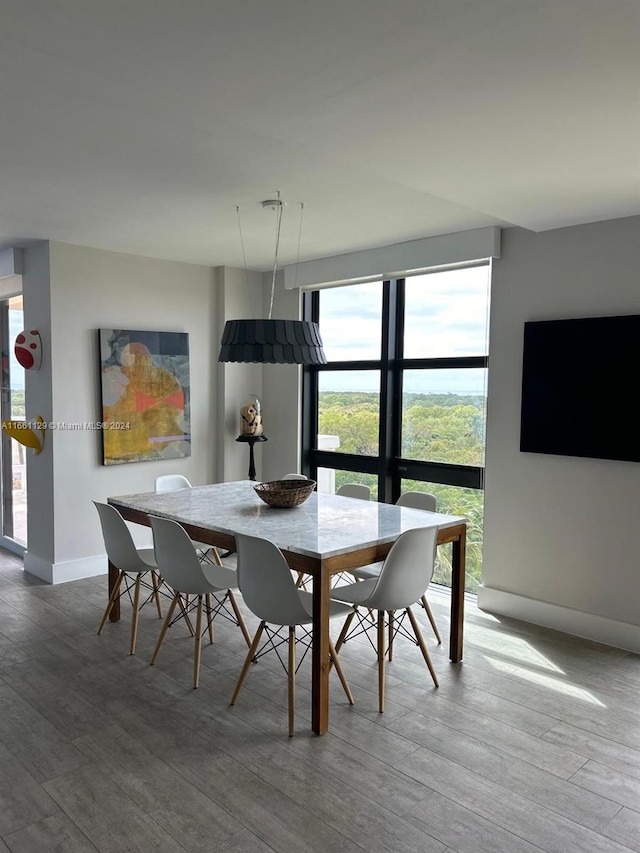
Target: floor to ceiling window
13,479
401,403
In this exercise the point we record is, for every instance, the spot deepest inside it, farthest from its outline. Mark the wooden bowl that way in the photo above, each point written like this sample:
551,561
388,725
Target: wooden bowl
284,494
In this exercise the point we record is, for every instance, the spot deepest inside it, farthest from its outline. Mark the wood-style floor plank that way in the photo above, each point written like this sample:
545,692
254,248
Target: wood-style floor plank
531,745
57,833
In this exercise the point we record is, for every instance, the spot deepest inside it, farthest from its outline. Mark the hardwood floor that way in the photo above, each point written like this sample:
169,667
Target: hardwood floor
532,744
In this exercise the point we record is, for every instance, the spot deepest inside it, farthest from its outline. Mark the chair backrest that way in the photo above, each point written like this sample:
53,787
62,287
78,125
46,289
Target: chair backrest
176,557
294,477
407,570
418,500
171,482
121,549
355,490
266,583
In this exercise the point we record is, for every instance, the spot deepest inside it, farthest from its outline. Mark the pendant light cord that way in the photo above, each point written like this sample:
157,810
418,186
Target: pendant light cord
279,210
275,254
244,257
295,282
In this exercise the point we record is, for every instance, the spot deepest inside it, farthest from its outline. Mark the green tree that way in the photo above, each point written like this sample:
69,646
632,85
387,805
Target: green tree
17,404
436,427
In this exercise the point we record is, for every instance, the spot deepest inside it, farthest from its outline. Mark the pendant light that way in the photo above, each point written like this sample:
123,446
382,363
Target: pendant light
272,341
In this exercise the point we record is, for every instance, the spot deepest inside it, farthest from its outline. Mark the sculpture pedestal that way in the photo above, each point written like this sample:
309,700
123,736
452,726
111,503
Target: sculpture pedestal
251,440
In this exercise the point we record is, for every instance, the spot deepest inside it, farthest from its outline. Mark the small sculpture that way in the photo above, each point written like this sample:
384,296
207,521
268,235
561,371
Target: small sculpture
251,418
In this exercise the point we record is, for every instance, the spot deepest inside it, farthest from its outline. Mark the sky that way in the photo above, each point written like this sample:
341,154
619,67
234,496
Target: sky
16,325
446,315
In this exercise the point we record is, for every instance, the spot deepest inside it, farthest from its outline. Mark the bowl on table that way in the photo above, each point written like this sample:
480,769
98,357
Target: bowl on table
284,494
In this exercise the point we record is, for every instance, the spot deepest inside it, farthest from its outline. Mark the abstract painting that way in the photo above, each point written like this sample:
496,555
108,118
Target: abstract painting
145,395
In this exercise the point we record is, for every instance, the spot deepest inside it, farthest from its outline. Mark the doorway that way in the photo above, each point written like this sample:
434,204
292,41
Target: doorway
13,469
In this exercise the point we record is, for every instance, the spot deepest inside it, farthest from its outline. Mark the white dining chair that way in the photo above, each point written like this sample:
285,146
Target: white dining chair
350,490
171,483
201,587
134,566
301,578
404,577
416,500
268,590
355,490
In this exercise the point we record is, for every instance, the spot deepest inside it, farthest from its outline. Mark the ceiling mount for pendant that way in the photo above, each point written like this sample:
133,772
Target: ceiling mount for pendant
273,203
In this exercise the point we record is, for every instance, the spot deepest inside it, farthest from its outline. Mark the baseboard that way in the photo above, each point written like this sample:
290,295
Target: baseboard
600,629
70,570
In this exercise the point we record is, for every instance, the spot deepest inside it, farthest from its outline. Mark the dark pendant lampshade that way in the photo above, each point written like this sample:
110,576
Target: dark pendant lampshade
272,342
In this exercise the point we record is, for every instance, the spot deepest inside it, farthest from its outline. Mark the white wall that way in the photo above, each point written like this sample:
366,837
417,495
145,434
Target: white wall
239,296
281,393
560,544
248,295
68,296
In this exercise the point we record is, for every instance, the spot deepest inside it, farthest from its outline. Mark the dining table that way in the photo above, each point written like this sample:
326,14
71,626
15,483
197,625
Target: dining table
326,535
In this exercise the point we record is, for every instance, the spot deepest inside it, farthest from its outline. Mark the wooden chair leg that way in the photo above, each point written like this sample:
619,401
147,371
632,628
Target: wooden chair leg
185,614
247,662
112,600
421,643
345,685
134,617
165,626
241,622
198,644
157,583
209,617
425,604
345,631
291,678
391,635
381,657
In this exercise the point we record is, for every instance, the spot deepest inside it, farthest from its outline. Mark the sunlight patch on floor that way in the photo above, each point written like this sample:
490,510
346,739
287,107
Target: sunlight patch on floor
548,682
519,650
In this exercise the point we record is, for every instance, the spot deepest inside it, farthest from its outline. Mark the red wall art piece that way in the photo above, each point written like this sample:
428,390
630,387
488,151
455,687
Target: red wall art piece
28,350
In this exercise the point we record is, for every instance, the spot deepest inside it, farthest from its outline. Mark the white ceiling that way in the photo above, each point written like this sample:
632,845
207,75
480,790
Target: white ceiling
139,125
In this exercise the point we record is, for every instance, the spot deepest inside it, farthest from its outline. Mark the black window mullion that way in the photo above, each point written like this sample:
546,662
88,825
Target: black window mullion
388,385
446,473
444,363
310,395
344,461
396,401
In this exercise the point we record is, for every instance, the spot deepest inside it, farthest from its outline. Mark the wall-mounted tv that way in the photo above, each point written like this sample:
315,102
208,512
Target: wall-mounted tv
580,381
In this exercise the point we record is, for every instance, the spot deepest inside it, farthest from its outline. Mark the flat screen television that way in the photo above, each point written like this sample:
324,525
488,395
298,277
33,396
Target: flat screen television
580,382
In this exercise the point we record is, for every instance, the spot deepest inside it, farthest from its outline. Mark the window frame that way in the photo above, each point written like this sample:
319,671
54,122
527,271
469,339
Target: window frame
389,466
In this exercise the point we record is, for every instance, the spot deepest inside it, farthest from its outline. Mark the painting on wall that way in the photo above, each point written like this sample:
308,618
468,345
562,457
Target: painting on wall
145,395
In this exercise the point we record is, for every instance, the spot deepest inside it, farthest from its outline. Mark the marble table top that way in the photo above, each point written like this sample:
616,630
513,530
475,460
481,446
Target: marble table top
322,527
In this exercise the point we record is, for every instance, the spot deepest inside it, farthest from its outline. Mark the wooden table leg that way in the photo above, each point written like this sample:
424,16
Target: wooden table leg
457,596
114,616
320,653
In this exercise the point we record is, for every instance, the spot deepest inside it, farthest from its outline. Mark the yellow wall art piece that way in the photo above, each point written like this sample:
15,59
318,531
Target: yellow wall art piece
145,395
28,433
